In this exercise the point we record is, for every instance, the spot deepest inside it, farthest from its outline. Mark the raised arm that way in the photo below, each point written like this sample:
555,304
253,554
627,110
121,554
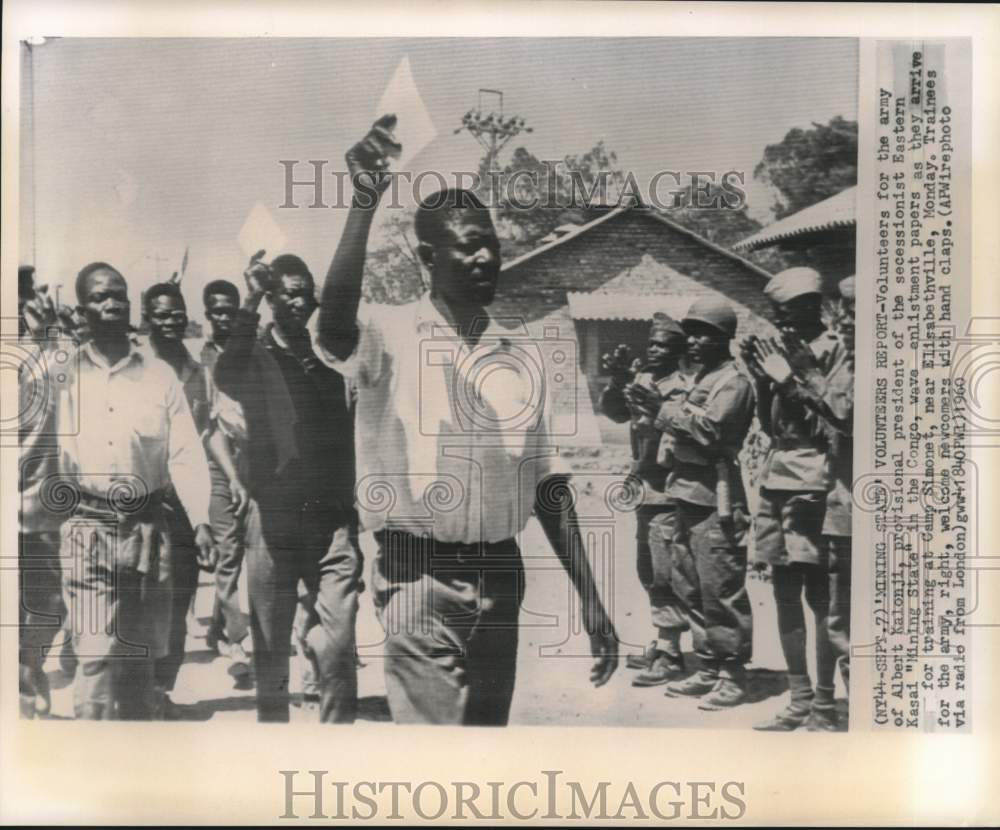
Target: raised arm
612,402
234,361
367,163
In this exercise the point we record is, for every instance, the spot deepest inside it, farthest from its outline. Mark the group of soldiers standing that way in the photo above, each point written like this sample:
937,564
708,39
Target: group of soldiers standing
141,466
690,409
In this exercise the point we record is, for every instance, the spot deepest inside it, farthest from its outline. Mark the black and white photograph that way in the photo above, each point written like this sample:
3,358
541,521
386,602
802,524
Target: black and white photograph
400,381
338,441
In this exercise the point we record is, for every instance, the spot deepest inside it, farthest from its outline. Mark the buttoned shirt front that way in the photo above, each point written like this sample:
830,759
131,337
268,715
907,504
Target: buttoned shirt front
130,423
710,427
451,439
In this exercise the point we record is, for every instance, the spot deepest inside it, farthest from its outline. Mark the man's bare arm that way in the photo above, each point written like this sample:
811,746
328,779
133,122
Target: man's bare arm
367,162
557,515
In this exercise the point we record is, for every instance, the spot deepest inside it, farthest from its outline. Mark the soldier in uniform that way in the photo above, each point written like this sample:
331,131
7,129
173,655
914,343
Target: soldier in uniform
709,537
637,396
793,486
831,397
838,414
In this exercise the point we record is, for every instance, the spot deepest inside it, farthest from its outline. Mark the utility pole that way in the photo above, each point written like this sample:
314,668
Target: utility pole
492,130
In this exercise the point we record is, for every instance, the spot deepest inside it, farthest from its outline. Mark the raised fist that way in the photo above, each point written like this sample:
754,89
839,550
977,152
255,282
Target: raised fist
258,274
368,160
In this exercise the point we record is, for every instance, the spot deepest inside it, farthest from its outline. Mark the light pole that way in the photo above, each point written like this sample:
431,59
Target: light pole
492,130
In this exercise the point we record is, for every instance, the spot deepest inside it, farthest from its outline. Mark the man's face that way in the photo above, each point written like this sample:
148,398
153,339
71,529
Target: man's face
293,302
466,259
220,309
104,304
798,316
662,349
167,318
705,343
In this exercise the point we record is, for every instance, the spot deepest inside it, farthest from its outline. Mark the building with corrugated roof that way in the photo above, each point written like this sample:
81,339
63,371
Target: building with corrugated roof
823,233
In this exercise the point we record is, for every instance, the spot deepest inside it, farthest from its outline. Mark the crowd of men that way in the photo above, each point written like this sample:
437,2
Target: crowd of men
142,465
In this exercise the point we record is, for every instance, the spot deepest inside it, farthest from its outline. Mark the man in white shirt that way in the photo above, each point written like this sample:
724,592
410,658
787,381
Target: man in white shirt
453,457
126,434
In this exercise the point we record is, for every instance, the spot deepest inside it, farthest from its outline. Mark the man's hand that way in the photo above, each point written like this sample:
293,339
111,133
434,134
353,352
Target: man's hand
619,365
643,400
239,497
604,647
748,354
207,553
772,360
40,315
258,275
800,357
368,160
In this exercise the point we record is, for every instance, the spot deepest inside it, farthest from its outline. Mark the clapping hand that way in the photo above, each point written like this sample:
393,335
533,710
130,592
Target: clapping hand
771,358
619,365
748,354
643,400
800,357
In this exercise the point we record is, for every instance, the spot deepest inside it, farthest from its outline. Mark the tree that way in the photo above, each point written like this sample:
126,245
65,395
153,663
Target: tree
807,166
392,269
537,196
724,223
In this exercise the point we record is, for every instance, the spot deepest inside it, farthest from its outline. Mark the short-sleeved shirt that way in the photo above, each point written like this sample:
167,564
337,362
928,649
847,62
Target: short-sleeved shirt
451,440
796,460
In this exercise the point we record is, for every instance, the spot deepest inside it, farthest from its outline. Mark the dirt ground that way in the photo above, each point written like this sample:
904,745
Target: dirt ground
553,656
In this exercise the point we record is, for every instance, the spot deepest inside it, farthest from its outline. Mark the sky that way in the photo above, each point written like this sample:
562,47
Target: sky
135,149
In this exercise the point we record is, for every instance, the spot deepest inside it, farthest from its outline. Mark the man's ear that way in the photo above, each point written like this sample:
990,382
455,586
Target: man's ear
426,253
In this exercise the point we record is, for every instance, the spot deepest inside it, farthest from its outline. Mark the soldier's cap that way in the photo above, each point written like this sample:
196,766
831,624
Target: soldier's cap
846,287
665,326
715,312
793,282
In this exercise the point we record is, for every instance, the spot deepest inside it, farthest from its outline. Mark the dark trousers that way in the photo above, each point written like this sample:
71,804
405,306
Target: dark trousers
228,618
179,565
40,609
709,578
283,545
450,614
838,624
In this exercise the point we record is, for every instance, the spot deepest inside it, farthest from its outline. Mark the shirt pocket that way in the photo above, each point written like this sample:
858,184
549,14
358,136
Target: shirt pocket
149,422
